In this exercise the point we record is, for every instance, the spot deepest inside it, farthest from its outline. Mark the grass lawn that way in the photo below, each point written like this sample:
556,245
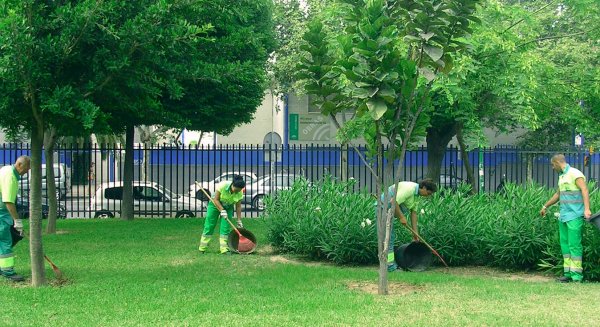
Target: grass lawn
149,273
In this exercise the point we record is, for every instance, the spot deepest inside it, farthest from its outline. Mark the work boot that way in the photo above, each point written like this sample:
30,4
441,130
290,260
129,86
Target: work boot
14,277
564,279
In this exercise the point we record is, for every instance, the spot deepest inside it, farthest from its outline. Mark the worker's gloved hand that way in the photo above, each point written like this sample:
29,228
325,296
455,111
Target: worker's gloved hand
223,213
239,224
19,226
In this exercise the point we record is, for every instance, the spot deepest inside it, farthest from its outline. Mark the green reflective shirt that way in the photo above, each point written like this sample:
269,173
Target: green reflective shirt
9,187
227,198
407,194
571,198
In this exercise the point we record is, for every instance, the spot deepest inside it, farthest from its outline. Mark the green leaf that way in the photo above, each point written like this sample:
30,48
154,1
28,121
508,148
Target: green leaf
427,73
377,108
388,93
434,53
364,93
426,36
411,38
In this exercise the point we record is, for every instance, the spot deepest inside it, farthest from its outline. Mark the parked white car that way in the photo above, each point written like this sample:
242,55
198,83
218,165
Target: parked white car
209,187
62,180
267,185
149,200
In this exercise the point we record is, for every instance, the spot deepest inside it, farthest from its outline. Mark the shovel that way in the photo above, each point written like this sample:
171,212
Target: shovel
244,244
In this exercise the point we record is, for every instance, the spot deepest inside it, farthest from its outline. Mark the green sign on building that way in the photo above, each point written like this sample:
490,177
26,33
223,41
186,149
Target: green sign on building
293,127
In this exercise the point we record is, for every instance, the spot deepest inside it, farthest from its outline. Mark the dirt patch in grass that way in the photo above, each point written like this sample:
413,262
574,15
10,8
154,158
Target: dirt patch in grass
56,282
394,288
282,259
534,277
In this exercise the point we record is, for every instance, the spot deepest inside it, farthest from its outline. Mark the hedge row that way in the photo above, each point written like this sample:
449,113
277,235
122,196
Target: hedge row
324,221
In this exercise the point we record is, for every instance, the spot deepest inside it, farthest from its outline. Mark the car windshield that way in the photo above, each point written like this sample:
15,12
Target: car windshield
167,192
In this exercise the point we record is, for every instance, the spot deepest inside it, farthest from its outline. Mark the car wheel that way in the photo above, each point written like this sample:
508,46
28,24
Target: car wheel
185,214
201,196
104,214
258,202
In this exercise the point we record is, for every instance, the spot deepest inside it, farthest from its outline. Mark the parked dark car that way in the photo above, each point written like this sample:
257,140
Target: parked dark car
447,181
23,208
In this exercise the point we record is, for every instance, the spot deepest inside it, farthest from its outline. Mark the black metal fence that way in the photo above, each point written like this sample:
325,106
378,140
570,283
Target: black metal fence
88,177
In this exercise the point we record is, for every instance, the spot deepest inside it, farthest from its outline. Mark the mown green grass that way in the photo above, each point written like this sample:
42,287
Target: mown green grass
149,273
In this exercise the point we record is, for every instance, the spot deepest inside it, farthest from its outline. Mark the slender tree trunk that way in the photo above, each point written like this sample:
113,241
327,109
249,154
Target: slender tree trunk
465,158
38,271
438,137
530,158
49,144
344,162
382,223
127,203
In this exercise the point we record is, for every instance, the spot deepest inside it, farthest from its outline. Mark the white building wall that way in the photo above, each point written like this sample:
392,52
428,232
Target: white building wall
269,117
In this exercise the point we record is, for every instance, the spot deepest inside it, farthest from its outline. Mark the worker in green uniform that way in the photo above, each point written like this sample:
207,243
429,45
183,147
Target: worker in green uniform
406,201
9,187
228,195
574,200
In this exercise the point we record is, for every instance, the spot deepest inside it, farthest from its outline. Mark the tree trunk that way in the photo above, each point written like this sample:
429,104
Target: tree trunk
38,271
344,162
530,158
49,143
382,223
465,158
438,136
127,202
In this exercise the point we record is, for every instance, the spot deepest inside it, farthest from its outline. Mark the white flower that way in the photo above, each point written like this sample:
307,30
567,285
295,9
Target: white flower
362,224
422,211
318,209
368,221
557,214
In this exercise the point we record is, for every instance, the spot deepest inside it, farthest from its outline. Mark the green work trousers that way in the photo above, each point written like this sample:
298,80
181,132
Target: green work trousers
7,258
570,245
212,215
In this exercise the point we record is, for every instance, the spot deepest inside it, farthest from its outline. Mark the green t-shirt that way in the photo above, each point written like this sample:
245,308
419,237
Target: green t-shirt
407,194
9,187
227,198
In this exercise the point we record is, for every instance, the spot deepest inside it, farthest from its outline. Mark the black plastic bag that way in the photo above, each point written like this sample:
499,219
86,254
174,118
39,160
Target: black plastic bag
16,236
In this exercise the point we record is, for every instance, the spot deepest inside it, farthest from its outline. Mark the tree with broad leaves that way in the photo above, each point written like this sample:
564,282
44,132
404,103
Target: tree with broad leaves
382,66
530,65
